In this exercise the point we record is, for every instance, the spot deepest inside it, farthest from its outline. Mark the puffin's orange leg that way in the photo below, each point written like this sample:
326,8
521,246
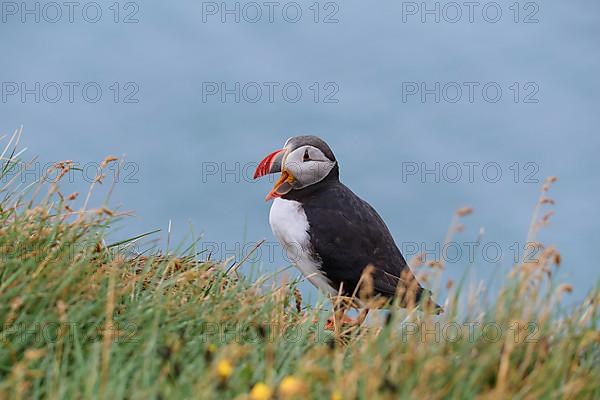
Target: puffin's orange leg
343,320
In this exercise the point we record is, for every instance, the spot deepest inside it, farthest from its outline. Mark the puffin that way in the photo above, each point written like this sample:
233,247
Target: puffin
329,233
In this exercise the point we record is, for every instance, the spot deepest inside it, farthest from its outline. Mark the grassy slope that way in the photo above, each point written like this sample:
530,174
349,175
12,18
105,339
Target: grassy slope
80,320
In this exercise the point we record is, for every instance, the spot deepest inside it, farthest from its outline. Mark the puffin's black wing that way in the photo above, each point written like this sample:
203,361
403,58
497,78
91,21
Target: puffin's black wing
348,235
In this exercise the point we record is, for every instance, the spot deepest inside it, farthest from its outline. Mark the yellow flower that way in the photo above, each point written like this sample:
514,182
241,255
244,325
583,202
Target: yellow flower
260,391
224,369
336,395
291,386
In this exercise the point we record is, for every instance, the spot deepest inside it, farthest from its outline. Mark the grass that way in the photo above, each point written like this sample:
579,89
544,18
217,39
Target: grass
83,319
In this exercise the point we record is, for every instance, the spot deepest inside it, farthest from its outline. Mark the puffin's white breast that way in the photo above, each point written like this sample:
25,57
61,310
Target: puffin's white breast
290,226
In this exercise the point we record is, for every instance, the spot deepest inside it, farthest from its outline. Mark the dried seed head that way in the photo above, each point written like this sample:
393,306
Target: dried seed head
556,258
298,298
15,303
61,306
367,286
107,161
564,288
546,200
547,271
436,265
416,261
73,196
546,217
34,354
421,278
463,212
535,245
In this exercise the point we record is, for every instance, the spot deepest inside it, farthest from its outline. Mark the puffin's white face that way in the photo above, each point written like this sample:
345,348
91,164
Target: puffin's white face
308,165
301,165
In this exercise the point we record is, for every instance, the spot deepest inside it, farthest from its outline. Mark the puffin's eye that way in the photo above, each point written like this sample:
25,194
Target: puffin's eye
306,156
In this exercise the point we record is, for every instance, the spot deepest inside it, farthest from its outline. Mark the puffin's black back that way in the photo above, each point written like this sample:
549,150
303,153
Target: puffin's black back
347,235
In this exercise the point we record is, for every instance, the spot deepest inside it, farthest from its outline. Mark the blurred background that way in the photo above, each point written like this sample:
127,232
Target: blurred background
428,107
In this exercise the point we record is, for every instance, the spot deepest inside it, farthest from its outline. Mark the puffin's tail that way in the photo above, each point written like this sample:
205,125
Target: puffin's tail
420,298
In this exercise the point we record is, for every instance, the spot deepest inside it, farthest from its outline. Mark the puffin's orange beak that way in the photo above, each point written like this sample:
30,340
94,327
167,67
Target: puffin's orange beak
271,164
282,186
